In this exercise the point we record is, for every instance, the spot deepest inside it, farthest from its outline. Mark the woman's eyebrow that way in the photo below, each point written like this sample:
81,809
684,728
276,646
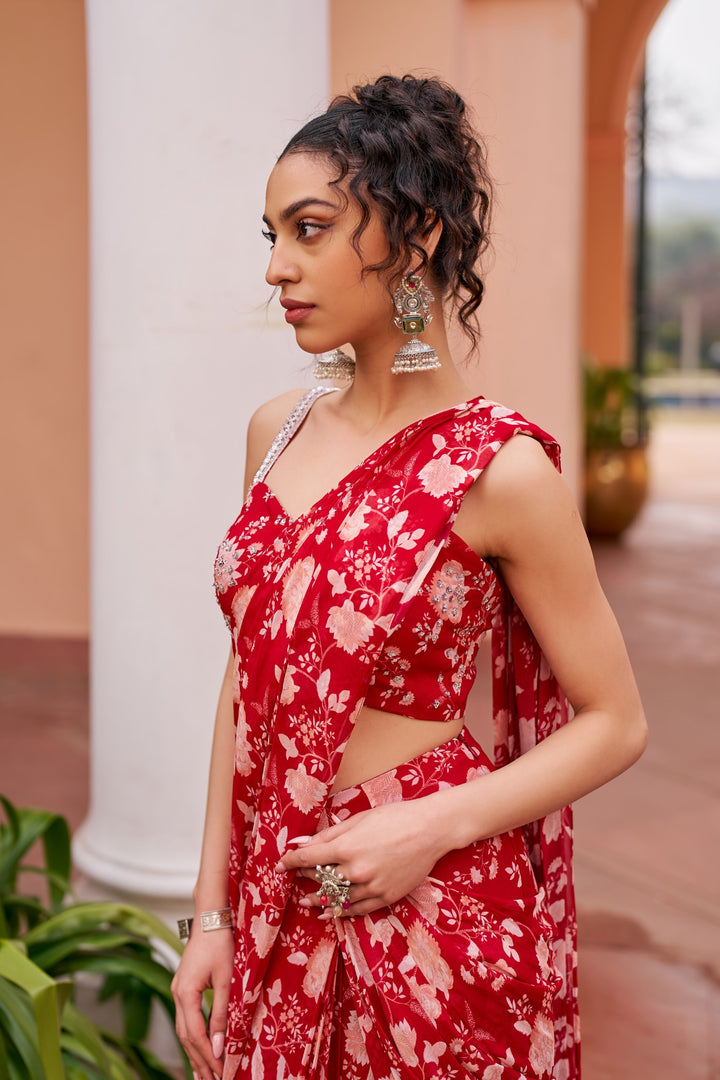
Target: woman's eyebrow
301,204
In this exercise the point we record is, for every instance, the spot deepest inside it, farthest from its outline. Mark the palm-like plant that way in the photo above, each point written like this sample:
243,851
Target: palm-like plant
44,945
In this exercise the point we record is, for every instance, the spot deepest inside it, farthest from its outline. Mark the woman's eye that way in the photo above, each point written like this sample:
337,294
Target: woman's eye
269,236
308,229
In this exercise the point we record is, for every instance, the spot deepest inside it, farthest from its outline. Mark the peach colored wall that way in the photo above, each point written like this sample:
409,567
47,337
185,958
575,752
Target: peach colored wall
43,319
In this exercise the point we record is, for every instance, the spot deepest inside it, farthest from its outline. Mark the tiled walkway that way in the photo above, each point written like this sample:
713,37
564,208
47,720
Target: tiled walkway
648,862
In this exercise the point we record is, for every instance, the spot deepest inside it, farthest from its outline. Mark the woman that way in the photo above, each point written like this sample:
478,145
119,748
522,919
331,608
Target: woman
396,906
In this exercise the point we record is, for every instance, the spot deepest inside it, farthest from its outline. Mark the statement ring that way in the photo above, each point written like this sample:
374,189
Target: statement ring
334,889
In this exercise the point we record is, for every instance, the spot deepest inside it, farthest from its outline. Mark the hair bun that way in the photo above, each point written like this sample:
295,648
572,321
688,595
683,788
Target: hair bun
390,94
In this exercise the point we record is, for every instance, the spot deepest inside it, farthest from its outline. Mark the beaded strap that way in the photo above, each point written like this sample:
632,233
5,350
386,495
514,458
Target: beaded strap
289,428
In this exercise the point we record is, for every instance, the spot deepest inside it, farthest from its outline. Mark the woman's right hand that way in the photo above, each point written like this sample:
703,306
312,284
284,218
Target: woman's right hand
206,964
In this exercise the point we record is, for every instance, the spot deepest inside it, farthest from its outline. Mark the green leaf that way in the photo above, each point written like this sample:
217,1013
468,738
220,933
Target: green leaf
17,1021
4,1060
148,971
49,957
17,968
83,1037
23,828
83,917
56,844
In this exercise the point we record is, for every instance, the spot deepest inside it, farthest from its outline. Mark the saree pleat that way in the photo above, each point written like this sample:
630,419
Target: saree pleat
310,603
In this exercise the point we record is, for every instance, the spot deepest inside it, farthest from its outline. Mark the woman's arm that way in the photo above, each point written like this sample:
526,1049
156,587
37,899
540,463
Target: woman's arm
534,529
520,512
208,956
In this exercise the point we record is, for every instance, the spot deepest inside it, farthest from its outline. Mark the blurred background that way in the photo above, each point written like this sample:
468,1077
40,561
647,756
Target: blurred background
135,140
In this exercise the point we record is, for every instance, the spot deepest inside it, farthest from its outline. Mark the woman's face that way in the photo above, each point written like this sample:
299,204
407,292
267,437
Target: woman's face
327,300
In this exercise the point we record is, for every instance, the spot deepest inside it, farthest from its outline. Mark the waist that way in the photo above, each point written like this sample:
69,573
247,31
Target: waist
382,740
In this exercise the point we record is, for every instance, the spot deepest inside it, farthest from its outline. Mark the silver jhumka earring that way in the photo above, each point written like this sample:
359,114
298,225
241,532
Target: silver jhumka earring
412,304
334,365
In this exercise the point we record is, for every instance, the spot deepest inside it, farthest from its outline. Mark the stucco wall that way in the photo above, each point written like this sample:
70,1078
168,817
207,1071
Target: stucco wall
43,319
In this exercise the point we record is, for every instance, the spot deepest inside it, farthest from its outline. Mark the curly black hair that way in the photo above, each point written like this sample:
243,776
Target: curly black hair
410,153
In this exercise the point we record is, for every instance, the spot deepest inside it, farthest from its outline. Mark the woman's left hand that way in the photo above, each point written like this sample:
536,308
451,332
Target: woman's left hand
384,852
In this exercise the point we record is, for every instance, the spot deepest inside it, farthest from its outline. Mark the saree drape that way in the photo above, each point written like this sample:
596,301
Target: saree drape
310,602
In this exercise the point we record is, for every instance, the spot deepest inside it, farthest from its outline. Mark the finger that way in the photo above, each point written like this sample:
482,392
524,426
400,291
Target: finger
218,1020
196,1042
312,855
358,908
298,856
322,836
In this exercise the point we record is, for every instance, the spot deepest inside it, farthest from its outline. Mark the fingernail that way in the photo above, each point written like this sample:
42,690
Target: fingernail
281,867
218,1041
300,840
304,903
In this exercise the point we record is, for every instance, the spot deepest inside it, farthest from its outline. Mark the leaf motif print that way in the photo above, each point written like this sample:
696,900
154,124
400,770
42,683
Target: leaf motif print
349,627
295,585
354,523
263,933
317,967
439,476
405,1039
305,791
243,760
424,953
323,684
542,1042
396,523
337,581
240,603
355,1040
426,996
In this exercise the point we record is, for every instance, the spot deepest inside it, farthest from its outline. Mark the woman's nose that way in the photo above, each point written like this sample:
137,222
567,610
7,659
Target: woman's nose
280,268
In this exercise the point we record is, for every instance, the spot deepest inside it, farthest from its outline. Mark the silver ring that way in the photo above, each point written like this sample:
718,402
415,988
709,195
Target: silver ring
334,889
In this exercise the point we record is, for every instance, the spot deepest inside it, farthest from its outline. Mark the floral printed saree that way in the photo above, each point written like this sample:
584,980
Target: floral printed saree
473,973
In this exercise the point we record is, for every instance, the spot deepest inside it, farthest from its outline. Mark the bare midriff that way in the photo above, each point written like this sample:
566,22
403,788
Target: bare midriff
381,741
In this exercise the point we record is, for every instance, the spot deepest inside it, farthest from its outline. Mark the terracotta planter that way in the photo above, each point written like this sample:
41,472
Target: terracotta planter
616,483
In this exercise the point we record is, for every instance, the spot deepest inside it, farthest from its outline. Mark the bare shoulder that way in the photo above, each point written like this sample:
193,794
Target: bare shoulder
264,425
525,502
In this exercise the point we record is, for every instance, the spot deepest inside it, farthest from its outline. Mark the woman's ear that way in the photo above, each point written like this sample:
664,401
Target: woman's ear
431,235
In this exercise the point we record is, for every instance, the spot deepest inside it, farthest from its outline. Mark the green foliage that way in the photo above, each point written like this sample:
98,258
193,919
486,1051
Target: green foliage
613,408
45,944
683,261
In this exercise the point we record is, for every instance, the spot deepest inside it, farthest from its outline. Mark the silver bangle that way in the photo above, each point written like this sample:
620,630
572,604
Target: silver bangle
219,919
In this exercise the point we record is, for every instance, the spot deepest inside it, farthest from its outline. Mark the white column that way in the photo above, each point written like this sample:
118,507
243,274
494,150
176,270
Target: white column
524,73
190,103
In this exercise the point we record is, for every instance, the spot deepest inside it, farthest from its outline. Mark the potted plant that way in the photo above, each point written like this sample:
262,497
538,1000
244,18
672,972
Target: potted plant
616,470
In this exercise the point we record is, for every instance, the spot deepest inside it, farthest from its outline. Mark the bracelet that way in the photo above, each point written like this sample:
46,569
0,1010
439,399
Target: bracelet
219,919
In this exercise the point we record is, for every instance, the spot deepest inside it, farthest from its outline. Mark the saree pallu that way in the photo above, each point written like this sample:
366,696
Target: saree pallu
424,987
310,603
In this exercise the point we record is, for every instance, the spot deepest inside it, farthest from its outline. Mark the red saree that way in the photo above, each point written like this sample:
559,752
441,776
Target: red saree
474,972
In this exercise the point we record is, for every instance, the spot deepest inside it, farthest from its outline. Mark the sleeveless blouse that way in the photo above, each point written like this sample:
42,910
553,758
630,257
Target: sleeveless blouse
426,668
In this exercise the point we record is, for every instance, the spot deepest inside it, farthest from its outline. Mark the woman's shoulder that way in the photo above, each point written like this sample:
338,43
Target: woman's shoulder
264,425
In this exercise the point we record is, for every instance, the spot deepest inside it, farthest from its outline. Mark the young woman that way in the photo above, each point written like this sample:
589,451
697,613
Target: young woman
382,900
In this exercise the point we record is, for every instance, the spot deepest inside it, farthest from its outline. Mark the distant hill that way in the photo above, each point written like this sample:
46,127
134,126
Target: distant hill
679,198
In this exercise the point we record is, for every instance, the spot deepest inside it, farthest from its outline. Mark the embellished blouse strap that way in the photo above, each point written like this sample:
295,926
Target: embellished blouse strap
290,426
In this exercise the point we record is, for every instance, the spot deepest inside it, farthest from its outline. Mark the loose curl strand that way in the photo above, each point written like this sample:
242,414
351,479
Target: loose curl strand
408,151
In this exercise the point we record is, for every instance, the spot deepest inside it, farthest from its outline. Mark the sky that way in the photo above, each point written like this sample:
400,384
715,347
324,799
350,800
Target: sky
683,63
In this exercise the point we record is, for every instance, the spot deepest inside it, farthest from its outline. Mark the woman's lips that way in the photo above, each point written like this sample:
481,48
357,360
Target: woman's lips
296,314
296,310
